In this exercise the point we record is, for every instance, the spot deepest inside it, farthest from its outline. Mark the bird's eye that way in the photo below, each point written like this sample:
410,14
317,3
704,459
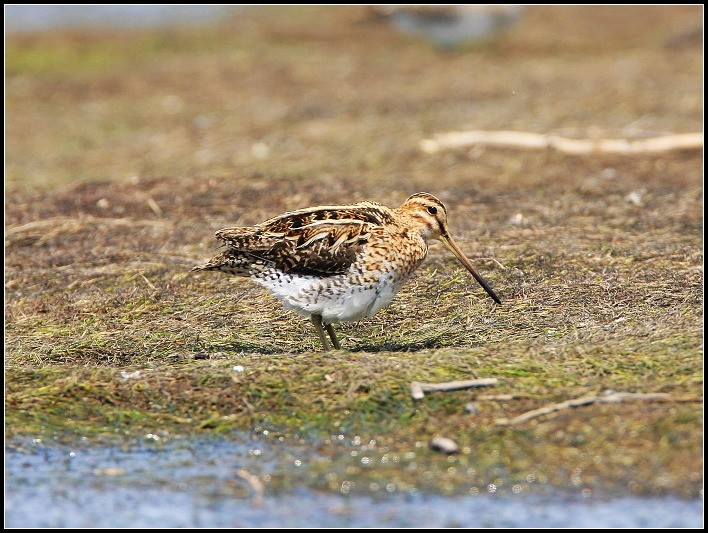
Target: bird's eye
433,210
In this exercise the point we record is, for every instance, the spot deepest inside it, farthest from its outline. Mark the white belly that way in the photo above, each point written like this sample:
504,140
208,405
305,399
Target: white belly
334,298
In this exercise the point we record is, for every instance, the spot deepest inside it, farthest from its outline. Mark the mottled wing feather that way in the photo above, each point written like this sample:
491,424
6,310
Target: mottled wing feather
320,241
370,212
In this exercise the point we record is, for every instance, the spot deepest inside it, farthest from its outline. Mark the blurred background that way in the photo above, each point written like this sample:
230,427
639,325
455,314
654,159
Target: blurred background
339,95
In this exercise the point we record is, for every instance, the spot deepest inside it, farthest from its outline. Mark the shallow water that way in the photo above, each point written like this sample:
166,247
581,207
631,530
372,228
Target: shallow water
195,483
42,17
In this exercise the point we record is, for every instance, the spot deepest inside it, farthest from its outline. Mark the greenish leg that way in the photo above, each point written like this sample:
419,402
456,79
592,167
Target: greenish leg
333,336
317,321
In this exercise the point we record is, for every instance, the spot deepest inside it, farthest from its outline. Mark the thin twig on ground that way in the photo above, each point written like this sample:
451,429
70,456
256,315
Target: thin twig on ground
418,389
578,402
528,140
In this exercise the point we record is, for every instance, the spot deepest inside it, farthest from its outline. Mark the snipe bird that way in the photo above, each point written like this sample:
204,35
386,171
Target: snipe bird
338,263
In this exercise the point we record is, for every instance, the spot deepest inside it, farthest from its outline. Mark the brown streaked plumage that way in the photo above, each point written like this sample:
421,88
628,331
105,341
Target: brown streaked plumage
338,263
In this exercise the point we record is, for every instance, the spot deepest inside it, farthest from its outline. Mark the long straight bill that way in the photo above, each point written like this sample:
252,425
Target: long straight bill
468,265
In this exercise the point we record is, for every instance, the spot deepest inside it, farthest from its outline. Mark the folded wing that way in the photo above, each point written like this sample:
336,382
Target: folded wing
318,241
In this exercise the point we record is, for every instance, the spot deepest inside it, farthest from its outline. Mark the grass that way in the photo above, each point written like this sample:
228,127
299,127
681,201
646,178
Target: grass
123,160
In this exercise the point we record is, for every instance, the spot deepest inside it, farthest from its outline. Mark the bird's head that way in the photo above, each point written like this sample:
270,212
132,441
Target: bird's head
429,216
